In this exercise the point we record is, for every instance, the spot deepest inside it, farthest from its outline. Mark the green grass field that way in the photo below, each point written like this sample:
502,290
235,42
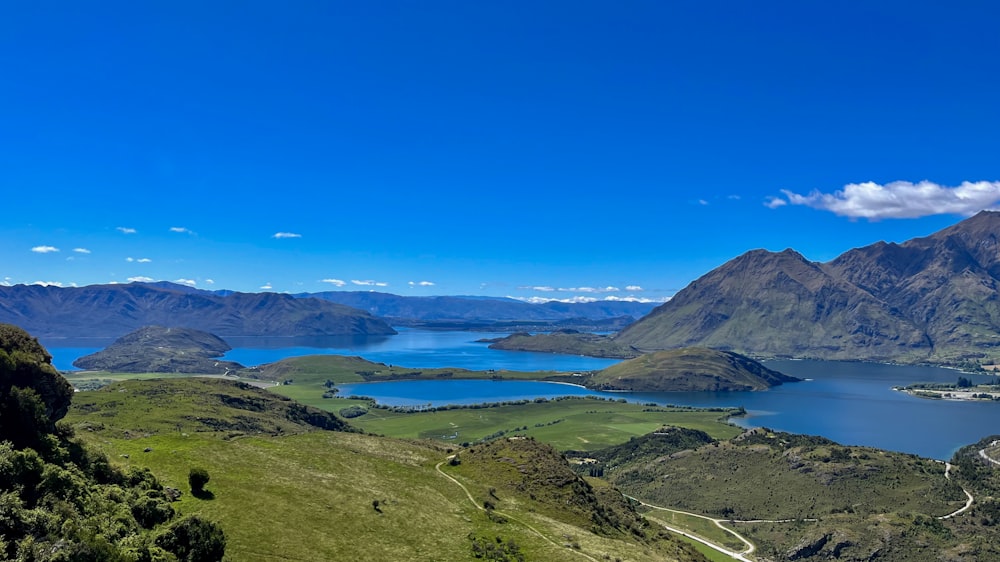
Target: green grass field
568,424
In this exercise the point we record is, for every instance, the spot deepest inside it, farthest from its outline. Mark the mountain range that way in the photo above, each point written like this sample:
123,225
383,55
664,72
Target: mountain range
114,310
930,299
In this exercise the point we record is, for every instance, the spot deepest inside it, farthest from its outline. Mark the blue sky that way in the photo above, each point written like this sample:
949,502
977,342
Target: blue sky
613,150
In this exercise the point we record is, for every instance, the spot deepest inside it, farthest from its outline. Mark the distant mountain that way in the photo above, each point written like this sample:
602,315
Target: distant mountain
113,310
155,349
929,299
690,369
479,309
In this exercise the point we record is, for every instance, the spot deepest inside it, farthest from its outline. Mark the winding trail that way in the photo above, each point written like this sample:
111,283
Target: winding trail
468,494
968,504
738,555
982,453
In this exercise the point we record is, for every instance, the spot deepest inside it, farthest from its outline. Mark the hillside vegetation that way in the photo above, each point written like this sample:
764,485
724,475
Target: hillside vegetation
61,500
808,498
689,369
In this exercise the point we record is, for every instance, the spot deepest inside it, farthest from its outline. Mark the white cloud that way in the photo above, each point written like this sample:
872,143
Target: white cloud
608,289
899,199
48,283
137,260
370,283
280,235
583,299
421,283
140,279
44,249
633,288
188,282
542,288
81,250
335,282
702,202
5,282
266,286
774,202
181,230
210,281
126,230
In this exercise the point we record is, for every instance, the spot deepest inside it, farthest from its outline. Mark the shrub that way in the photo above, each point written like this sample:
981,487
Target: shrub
197,478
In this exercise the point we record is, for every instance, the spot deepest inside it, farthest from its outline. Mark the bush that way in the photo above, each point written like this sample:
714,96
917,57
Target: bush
194,539
197,478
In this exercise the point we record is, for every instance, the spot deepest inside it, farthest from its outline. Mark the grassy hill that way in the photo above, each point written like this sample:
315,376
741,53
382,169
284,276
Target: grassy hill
285,489
688,369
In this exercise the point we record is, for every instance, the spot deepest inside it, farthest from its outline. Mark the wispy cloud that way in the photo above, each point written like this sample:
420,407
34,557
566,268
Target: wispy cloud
633,288
48,283
899,199
421,283
583,299
138,260
280,235
181,230
549,289
44,249
5,282
140,279
126,230
702,202
266,286
188,282
369,283
81,250
774,202
335,282
210,281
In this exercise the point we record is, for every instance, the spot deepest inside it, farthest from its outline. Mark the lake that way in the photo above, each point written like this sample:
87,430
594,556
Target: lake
851,403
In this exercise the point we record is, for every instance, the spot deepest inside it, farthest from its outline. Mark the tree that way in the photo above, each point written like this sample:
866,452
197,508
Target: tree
963,383
197,478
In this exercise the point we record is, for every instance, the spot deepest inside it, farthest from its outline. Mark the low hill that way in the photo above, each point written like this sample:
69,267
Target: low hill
569,342
155,349
114,310
688,369
931,299
807,498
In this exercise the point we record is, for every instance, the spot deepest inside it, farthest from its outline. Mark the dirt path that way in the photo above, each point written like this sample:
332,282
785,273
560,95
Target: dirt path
507,515
738,555
968,504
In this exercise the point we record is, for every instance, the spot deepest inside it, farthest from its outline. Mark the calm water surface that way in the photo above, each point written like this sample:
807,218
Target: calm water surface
851,403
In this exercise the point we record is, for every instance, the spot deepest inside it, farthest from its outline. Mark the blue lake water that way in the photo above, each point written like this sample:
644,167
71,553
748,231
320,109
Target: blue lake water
851,403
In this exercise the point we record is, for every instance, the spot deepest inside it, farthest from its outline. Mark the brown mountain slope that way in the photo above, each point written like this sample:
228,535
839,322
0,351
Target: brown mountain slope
778,304
928,299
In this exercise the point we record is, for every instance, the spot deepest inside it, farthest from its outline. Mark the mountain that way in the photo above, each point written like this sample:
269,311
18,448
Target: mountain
113,310
688,370
479,309
155,349
929,299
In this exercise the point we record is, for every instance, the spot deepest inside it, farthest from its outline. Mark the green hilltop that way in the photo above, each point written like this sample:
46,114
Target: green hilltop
688,369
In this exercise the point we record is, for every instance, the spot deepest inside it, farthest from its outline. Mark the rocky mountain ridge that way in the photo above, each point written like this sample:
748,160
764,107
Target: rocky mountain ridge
930,299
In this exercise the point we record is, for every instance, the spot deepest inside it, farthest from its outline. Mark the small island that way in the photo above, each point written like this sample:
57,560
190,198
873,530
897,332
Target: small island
568,342
156,349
